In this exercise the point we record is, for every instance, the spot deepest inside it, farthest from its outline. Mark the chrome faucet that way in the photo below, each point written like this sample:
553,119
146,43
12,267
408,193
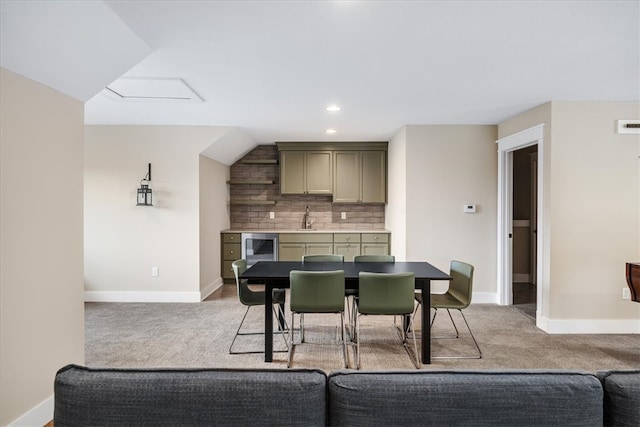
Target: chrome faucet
306,222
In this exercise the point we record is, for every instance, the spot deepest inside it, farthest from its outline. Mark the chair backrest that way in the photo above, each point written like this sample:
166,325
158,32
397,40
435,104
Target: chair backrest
461,285
385,293
374,258
323,258
239,266
316,291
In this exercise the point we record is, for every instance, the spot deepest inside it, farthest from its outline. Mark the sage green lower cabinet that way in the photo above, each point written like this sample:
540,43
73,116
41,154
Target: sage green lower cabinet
375,244
231,251
346,244
292,246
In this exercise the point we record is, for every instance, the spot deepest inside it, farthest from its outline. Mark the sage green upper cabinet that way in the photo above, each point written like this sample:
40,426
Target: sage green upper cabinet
306,172
360,177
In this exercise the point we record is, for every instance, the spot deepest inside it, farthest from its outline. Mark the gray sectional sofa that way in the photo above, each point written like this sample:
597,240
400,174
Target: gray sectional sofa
223,397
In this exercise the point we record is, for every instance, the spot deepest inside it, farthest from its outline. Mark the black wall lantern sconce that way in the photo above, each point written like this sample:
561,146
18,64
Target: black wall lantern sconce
144,192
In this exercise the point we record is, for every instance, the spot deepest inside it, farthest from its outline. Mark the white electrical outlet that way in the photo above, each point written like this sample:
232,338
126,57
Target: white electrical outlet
343,215
272,215
155,272
626,293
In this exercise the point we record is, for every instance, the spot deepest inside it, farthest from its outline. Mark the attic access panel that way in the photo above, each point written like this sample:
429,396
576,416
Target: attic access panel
148,89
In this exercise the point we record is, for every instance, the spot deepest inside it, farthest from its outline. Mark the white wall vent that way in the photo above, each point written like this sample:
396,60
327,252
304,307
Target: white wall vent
628,126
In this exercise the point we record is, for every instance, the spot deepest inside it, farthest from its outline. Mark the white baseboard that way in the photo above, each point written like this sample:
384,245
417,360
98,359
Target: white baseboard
211,288
484,298
139,296
588,326
39,415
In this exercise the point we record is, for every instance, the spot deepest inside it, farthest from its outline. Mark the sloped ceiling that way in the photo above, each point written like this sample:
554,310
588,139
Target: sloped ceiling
75,47
269,68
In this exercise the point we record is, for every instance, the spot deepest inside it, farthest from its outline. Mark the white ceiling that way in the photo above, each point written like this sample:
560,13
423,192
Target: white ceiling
271,67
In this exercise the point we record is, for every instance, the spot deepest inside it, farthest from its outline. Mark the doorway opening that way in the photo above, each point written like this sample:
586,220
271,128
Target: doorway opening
531,227
524,213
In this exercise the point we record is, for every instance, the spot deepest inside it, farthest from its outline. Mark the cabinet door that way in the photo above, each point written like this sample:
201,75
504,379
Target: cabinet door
319,176
349,250
227,270
373,181
318,249
375,249
291,251
346,177
292,172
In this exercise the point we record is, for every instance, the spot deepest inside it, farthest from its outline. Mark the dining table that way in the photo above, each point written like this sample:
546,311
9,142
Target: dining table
275,275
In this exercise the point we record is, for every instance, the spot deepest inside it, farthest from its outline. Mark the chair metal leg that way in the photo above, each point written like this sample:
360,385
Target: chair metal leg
238,333
478,356
457,335
403,337
344,340
292,344
416,354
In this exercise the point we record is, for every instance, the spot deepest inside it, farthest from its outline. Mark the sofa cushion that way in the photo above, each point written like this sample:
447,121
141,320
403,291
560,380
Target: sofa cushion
621,397
189,397
439,398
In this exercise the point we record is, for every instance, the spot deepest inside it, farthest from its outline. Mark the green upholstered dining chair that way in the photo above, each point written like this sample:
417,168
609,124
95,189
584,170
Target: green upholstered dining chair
316,292
457,297
387,294
251,298
323,258
353,293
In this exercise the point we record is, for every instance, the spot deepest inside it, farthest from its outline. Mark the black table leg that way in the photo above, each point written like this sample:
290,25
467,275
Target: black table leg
268,322
426,317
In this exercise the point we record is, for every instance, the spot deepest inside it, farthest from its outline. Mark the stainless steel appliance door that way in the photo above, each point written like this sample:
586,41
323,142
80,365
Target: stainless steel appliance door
259,247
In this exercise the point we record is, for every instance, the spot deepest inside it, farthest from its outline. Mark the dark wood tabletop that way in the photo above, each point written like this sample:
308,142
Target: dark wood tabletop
275,274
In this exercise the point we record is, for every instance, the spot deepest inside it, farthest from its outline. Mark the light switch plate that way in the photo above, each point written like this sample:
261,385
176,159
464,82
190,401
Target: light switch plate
343,215
272,215
626,293
469,209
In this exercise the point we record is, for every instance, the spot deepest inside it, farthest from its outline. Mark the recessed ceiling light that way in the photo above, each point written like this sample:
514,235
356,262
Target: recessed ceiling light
333,108
330,131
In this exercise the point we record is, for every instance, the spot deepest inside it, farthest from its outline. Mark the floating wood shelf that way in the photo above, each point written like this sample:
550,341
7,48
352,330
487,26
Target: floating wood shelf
260,162
247,182
252,202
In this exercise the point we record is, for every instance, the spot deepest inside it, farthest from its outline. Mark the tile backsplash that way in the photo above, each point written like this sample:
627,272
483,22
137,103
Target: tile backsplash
289,209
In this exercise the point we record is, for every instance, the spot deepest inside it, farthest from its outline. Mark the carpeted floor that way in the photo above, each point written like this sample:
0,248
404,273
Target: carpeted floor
199,334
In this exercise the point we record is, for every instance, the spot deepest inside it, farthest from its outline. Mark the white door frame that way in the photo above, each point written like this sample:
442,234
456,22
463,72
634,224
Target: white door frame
506,147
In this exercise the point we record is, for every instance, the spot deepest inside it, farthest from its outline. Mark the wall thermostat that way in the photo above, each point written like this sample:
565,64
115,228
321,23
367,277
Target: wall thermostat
469,209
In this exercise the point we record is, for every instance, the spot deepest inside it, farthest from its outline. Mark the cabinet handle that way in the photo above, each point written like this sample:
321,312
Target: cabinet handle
231,252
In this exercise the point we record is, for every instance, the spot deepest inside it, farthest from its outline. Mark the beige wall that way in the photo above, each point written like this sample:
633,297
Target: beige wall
124,241
592,211
214,216
446,167
396,209
41,299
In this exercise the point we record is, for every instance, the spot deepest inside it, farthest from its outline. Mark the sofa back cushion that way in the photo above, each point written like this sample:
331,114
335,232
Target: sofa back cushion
621,397
189,397
438,398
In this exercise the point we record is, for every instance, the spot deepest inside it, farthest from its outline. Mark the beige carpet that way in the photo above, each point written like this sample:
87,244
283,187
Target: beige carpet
199,334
